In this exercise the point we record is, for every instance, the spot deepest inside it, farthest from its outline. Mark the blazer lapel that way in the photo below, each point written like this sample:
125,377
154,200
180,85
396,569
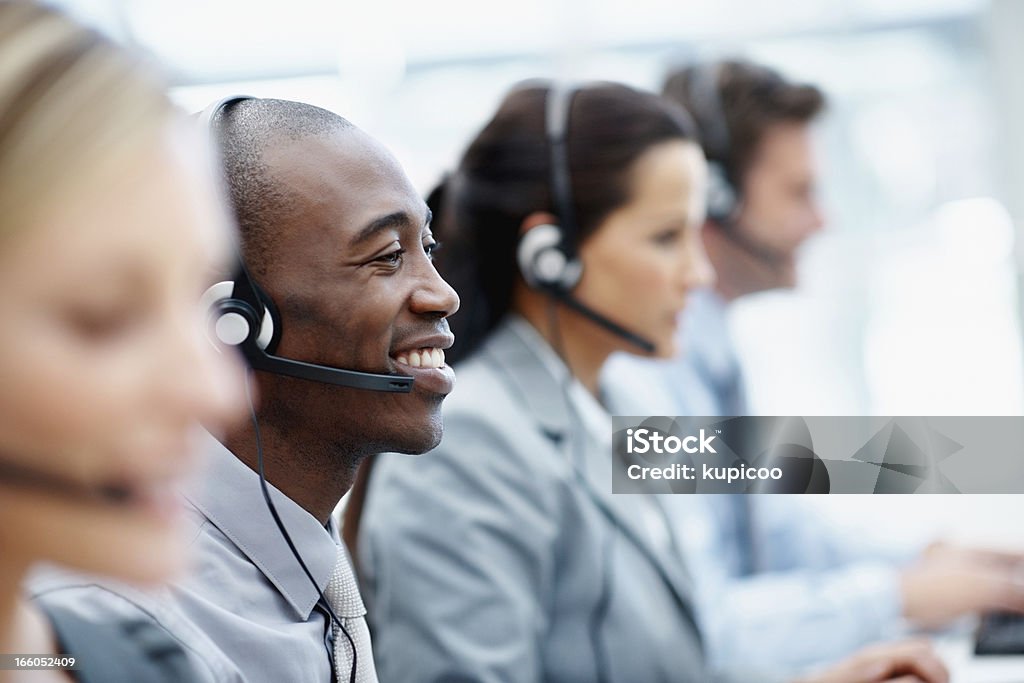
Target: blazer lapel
519,367
541,393
628,512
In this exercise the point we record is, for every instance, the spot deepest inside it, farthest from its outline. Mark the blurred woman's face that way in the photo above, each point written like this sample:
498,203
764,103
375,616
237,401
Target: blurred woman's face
105,368
645,258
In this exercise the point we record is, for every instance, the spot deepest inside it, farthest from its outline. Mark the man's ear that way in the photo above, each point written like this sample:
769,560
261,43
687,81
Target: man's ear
537,218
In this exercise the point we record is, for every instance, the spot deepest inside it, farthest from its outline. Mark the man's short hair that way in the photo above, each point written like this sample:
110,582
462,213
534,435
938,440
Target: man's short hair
244,131
735,102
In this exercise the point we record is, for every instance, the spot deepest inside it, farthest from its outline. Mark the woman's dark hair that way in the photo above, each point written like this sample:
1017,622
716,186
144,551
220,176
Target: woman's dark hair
504,176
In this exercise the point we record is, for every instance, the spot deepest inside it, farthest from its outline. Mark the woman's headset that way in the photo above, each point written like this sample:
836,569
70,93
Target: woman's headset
548,255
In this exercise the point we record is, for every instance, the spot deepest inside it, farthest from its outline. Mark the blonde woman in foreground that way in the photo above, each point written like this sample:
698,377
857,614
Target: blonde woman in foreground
109,230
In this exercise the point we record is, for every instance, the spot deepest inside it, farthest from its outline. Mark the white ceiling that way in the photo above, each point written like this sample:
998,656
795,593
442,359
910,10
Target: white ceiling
233,40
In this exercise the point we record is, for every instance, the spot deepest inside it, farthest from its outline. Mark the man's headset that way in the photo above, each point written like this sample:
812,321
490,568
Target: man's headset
548,255
245,317
724,198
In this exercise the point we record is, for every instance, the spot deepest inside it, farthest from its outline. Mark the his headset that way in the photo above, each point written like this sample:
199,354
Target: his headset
724,197
245,317
548,255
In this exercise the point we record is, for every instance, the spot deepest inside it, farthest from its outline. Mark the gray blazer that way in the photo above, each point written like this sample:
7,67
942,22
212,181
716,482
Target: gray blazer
494,558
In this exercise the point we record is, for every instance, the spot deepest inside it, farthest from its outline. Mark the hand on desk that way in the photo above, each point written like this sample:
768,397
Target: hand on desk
950,581
906,662
1013,561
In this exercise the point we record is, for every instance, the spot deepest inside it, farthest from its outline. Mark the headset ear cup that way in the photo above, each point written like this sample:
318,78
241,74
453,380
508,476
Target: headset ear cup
532,244
234,321
722,197
269,332
225,328
542,261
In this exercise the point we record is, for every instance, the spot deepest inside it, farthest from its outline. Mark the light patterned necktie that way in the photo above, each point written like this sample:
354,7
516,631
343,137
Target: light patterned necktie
343,595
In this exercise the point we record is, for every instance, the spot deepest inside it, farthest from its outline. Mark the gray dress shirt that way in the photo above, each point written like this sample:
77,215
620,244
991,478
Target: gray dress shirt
246,592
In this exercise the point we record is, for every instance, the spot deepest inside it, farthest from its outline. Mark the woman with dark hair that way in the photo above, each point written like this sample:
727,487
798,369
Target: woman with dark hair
504,188
571,232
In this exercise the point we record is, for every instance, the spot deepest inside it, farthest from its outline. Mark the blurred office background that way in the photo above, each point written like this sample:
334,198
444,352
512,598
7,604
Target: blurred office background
909,302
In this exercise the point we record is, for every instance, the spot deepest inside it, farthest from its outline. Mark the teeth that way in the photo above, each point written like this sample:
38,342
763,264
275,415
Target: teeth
422,358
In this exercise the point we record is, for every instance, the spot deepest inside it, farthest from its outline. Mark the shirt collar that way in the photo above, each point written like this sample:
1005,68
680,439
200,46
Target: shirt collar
231,498
707,337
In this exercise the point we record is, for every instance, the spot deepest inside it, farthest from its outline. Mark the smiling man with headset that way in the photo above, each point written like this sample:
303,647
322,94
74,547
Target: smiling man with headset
341,313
